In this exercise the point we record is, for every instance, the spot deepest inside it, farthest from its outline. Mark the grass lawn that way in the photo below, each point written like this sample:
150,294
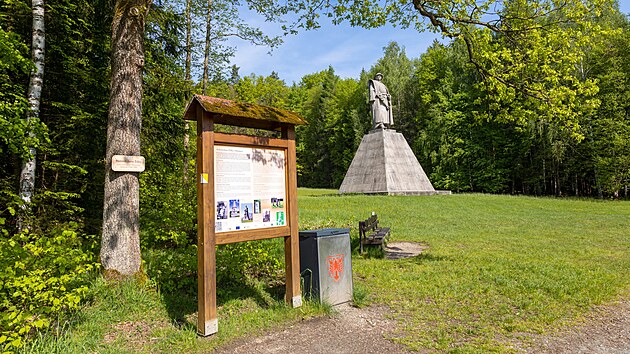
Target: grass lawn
498,269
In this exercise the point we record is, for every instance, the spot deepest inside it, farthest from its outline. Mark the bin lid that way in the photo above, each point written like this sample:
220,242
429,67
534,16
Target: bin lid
324,232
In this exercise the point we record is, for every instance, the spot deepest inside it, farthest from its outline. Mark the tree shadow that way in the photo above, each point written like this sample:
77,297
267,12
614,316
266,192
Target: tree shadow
427,257
181,305
369,251
174,272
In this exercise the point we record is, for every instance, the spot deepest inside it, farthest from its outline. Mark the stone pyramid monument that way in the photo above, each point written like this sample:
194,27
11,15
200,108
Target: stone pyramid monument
384,162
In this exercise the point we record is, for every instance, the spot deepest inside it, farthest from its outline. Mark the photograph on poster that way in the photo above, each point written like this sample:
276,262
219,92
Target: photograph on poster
246,212
277,203
254,182
221,210
235,208
280,218
257,206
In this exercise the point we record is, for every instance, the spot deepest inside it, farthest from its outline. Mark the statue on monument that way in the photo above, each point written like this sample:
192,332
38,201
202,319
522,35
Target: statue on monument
381,102
384,163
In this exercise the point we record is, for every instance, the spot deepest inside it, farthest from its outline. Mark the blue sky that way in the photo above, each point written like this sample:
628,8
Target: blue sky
348,49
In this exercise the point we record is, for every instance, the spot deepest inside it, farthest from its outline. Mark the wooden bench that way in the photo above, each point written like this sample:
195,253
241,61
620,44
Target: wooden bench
370,233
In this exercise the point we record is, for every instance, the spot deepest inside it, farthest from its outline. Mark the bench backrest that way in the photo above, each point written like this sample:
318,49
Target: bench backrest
369,224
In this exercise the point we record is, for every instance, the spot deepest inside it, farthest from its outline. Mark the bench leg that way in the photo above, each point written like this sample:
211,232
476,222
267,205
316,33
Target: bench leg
360,244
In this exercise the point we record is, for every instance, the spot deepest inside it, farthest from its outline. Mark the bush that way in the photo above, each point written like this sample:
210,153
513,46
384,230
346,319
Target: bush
175,269
168,210
254,259
41,278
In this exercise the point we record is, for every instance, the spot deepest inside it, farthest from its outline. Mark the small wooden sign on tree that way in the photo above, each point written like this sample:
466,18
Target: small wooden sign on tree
124,163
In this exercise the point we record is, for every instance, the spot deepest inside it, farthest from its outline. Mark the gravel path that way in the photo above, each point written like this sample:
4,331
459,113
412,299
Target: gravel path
351,330
605,330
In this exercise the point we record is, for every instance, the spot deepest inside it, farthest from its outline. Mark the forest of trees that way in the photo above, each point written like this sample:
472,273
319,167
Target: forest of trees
508,106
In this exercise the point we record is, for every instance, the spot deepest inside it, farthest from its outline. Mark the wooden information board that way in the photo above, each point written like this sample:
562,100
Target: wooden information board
249,188
246,190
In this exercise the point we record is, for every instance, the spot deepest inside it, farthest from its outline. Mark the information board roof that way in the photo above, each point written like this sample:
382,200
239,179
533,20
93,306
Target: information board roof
242,114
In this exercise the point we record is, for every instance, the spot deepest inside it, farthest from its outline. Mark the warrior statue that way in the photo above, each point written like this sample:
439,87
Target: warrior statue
381,102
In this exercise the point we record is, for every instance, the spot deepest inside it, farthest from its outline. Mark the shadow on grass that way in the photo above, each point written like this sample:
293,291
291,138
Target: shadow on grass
428,257
174,271
369,251
180,305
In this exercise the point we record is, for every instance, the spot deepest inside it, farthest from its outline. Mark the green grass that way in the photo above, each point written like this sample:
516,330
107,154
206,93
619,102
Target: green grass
499,268
136,318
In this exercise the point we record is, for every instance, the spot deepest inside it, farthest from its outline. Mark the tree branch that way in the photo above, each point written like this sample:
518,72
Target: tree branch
438,21
434,18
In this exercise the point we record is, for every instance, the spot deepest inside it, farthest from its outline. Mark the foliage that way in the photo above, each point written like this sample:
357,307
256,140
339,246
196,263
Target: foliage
525,52
472,136
266,91
461,154
226,21
168,211
45,271
43,277
13,103
168,203
248,260
326,146
73,108
610,127
527,69
173,270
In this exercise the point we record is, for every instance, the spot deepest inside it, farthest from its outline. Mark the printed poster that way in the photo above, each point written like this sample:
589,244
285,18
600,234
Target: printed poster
249,188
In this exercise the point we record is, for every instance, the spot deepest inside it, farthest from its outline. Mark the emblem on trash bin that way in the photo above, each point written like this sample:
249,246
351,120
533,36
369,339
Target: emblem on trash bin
335,266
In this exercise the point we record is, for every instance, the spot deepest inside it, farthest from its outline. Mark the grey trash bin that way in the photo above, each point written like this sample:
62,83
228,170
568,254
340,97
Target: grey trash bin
326,265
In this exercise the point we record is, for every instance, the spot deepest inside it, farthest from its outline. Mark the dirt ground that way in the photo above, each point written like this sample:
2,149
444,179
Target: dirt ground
606,330
351,330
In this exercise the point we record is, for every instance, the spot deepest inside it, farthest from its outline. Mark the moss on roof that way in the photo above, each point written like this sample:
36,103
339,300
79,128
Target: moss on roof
226,109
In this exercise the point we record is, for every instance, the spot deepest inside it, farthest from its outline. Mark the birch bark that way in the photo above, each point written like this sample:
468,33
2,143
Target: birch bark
27,174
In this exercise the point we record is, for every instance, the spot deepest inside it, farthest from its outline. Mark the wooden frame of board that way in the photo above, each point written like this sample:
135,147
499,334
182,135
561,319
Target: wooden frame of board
208,111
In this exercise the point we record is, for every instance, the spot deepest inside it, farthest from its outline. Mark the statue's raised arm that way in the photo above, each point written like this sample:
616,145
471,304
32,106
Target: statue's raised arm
381,103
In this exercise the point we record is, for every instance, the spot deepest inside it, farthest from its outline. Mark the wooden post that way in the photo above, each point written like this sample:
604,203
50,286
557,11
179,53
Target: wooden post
292,243
207,322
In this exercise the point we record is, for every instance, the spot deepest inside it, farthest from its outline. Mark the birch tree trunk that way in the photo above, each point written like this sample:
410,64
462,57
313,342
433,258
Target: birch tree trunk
206,56
120,245
27,174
